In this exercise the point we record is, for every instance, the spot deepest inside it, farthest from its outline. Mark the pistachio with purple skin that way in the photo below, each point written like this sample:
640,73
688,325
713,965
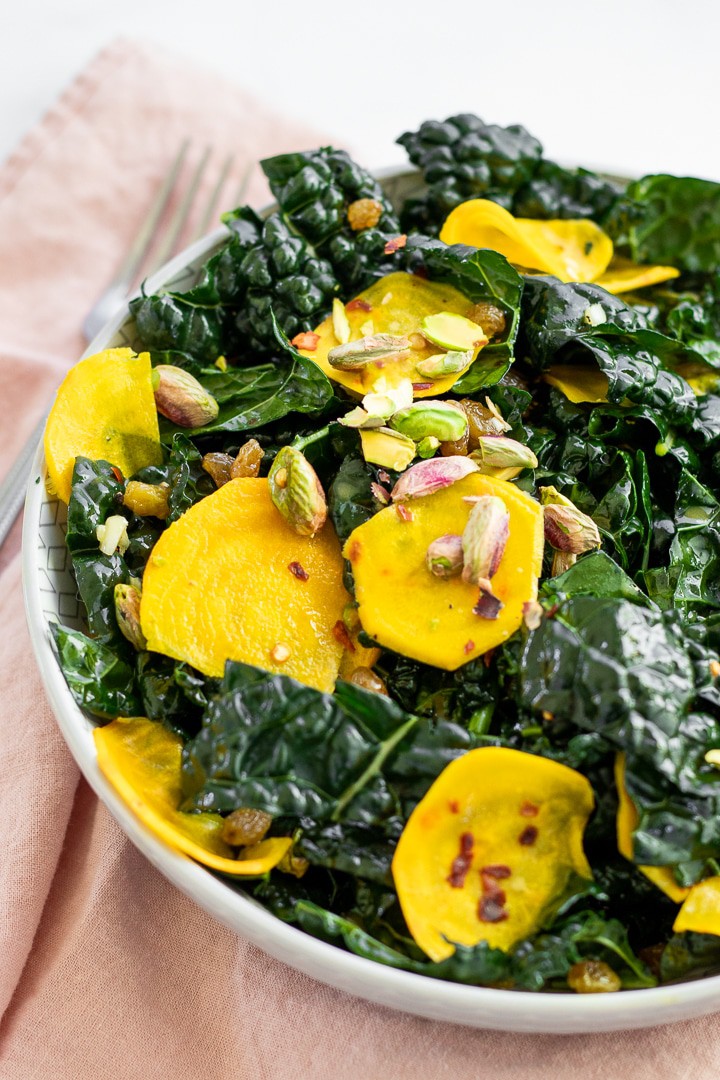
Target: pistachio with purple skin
567,530
296,491
484,539
504,458
355,355
432,475
127,613
181,398
445,556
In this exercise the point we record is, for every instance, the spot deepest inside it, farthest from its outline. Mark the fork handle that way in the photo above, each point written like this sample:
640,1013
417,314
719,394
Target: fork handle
12,489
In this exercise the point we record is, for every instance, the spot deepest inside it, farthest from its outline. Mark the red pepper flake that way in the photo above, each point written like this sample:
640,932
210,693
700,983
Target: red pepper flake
454,806
498,871
298,571
491,910
395,244
420,272
354,551
358,305
461,863
487,657
383,477
551,611
529,809
468,646
422,385
528,836
117,474
340,633
307,341
403,513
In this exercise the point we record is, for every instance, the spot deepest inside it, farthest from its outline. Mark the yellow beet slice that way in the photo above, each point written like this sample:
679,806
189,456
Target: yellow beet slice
578,384
571,250
396,304
104,409
222,584
141,759
625,276
406,608
626,823
492,850
700,912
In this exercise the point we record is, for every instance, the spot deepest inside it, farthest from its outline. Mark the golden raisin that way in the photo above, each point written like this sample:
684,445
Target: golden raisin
248,460
459,447
366,678
293,864
147,500
593,977
219,466
364,214
245,826
489,317
481,421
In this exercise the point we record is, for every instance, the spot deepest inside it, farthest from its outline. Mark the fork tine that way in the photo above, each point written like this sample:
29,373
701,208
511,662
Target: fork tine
142,242
170,237
207,217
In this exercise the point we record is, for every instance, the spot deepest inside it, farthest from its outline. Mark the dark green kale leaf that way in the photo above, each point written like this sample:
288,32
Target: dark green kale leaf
638,362
173,693
350,498
464,158
286,277
167,321
690,955
529,965
479,275
96,494
353,756
184,474
98,676
314,190
680,222
594,574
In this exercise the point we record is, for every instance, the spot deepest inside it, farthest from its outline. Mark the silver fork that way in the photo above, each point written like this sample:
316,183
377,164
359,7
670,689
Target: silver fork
155,242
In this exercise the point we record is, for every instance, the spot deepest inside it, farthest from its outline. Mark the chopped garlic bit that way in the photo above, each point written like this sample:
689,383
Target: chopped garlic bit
341,326
113,535
595,315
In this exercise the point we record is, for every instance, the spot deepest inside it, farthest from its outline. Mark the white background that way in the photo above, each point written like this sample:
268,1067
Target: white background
633,86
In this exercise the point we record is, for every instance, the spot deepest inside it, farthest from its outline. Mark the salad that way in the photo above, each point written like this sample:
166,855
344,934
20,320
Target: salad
398,536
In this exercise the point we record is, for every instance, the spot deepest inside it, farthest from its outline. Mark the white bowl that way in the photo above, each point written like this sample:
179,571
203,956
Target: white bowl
51,596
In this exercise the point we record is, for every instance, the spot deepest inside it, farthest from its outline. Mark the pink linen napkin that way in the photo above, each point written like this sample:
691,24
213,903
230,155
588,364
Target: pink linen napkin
107,970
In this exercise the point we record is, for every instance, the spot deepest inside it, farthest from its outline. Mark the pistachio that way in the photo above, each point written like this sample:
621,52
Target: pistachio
341,326
248,460
127,613
181,398
361,418
568,530
147,500
550,495
504,458
387,448
429,476
445,556
439,365
355,355
296,491
428,446
113,535
484,539
442,419
451,331
532,614
384,400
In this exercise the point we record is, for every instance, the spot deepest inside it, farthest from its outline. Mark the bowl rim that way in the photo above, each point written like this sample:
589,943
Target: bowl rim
421,995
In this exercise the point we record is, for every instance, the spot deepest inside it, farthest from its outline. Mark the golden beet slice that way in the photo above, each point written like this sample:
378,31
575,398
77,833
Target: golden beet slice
406,608
396,304
231,580
700,912
104,409
141,759
626,823
492,850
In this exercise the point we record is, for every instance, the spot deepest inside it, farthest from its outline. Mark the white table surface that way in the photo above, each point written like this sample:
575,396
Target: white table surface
628,84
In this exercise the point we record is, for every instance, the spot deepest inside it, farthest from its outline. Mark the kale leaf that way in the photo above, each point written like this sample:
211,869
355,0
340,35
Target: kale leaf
100,680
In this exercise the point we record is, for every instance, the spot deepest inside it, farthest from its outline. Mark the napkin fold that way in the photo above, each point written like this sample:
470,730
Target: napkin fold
107,970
